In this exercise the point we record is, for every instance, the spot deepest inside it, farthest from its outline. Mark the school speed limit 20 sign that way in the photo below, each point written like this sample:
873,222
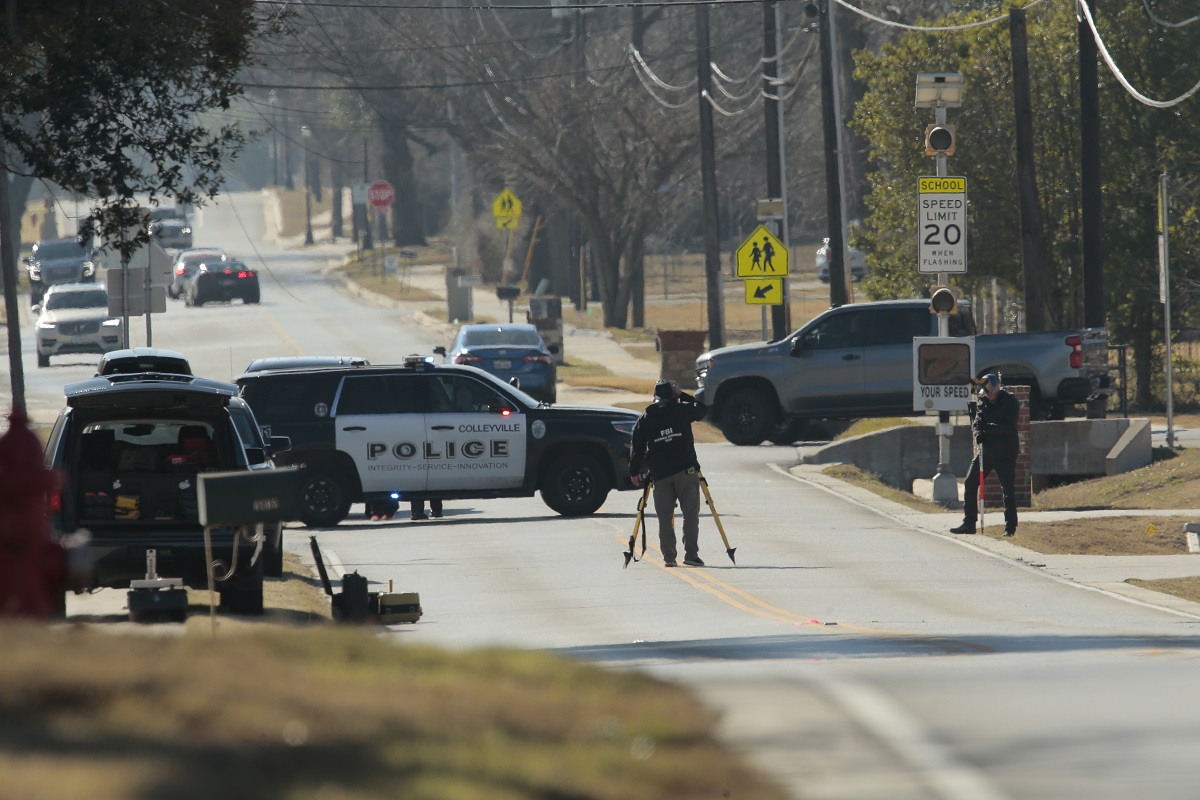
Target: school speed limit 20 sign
942,231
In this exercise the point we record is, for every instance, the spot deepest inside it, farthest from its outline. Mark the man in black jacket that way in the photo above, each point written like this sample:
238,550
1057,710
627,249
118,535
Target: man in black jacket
995,429
663,446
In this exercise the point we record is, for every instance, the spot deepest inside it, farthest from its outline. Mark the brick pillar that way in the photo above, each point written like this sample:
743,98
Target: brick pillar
993,497
679,350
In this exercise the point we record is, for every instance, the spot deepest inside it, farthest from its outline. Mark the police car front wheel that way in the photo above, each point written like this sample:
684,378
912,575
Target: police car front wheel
575,485
324,498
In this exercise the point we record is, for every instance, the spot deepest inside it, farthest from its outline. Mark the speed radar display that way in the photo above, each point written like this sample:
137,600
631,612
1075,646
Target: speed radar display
942,372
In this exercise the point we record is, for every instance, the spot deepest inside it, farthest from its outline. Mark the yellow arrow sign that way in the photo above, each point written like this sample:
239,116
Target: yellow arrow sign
506,205
762,255
764,291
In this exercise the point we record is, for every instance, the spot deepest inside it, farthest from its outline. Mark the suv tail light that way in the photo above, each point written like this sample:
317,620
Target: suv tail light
538,359
54,502
467,358
1076,345
179,270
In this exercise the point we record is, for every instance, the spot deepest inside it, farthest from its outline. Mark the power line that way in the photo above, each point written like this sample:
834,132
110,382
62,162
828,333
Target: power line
1112,67
929,28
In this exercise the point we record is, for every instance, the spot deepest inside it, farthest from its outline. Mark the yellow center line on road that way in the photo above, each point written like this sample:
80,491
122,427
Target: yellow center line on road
288,340
706,582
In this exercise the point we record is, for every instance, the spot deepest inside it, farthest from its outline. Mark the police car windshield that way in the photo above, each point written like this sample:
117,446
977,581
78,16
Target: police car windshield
508,387
90,299
500,336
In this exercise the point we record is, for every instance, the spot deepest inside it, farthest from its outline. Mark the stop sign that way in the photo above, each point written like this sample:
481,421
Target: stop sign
380,195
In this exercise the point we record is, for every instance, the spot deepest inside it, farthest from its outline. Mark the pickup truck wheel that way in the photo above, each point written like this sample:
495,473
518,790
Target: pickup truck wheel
788,432
324,498
747,417
575,485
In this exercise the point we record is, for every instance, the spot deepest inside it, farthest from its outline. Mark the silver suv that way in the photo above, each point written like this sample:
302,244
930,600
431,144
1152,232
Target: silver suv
74,318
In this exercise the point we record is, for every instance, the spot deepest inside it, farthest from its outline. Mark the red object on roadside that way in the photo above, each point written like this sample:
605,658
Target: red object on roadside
33,565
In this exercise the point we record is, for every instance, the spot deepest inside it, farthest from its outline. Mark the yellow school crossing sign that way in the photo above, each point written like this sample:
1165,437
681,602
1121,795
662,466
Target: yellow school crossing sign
762,255
506,208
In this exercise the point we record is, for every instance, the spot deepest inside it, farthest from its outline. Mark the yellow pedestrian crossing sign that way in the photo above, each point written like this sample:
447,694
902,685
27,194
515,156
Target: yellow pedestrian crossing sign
762,255
764,291
506,208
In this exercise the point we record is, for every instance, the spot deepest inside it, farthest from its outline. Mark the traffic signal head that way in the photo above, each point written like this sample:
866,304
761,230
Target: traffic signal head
942,300
939,140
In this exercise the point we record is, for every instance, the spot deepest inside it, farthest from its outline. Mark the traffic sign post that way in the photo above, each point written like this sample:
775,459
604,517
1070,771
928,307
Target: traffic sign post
506,208
942,229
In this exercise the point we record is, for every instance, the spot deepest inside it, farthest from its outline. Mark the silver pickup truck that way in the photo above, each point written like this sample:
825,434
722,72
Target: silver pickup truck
856,361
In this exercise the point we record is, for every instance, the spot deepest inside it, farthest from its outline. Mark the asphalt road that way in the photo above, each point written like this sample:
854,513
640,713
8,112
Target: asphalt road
850,655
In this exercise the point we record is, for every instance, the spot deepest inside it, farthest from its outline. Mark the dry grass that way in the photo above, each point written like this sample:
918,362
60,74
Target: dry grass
684,304
869,480
861,427
1172,481
283,710
328,711
1100,536
1186,588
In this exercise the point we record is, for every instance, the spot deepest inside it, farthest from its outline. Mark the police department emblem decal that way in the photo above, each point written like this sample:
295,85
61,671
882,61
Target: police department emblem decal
538,429
321,410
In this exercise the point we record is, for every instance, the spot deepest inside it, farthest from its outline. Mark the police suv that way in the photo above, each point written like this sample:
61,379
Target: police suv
420,430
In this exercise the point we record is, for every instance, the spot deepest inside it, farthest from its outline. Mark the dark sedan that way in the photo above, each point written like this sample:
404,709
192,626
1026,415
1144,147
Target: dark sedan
221,281
509,351
185,266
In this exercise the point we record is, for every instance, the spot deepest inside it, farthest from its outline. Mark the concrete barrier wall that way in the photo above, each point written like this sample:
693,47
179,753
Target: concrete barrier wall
1070,447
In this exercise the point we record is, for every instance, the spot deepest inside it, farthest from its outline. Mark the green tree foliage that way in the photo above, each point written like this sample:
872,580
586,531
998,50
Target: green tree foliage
103,98
1138,143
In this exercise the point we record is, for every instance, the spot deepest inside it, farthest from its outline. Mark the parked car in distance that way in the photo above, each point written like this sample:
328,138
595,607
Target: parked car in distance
509,351
135,360
305,362
170,227
58,261
221,281
186,263
857,264
74,318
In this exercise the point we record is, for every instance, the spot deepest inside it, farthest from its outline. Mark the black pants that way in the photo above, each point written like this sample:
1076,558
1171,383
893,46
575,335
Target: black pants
1004,465
417,507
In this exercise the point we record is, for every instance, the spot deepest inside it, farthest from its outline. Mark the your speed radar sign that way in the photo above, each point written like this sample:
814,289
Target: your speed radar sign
942,229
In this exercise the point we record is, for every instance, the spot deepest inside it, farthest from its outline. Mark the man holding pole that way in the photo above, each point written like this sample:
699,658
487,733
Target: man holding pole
663,446
997,447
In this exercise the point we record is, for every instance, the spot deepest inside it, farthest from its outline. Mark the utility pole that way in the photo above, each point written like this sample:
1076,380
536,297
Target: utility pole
708,178
368,242
8,263
1033,265
1089,171
776,158
833,183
